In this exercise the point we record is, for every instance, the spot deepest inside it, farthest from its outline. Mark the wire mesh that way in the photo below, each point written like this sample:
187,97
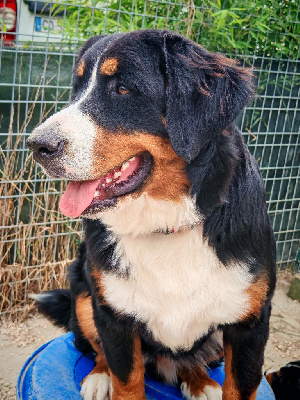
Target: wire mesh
36,60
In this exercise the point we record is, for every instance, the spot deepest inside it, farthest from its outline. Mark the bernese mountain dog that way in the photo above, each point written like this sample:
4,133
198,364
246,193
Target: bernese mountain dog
178,265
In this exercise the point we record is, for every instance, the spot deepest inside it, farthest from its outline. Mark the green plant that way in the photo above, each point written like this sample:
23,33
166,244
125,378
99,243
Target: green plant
115,16
246,27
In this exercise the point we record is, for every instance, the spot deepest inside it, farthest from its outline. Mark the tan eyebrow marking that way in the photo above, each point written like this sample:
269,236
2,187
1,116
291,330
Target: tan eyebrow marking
109,66
80,69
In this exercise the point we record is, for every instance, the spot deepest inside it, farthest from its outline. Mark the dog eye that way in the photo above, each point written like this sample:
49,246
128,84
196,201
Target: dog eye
123,90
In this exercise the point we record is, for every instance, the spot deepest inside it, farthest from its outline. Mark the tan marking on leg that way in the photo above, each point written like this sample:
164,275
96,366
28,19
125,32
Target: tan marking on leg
109,66
101,365
257,293
253,395
134,389
97,383
230,391
167,181
196,380
84,312
80,68
269,378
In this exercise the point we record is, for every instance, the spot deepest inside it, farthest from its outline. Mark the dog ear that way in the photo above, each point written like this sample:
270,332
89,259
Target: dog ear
205,93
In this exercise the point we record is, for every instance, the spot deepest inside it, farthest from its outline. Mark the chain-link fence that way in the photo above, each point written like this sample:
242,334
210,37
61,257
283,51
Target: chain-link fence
39,43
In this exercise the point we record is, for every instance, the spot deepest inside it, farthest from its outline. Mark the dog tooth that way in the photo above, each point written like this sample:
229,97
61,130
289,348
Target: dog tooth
131,159
108,180
117,174
96,193
125,166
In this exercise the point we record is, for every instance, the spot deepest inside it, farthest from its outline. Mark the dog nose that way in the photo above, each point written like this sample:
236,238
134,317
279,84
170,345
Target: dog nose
45,147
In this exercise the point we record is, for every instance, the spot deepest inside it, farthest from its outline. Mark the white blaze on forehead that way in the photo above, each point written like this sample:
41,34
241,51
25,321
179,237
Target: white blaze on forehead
91,86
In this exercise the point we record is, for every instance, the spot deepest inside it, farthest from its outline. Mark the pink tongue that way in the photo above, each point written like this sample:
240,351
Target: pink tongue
77,197
80,194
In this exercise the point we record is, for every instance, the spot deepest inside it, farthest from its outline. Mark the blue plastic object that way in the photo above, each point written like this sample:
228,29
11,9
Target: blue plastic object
56,369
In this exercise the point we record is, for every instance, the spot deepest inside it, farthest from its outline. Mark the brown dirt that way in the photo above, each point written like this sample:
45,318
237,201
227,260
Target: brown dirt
284,340
18,341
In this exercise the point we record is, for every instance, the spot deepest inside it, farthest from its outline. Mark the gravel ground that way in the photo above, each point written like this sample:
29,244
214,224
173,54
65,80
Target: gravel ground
19,341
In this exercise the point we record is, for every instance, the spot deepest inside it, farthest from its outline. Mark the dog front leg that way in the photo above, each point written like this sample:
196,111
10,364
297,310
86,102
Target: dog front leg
123,353
244,345
133,387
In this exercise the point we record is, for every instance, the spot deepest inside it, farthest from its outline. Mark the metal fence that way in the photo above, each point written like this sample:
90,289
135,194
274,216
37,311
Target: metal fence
36,60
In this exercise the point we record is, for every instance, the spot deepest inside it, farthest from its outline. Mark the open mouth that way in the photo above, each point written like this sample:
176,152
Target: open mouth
89,197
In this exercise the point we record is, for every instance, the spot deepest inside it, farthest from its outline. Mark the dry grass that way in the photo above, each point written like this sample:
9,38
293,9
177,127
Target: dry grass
37,242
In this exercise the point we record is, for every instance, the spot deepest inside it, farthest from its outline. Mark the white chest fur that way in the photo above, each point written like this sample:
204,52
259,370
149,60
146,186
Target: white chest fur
176,285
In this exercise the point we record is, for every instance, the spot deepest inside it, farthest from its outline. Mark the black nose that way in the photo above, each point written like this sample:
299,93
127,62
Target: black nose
45,147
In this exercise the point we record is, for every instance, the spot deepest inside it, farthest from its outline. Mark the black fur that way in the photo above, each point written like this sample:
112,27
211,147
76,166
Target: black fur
247,341
100,245
205,94
140,57
59,305
286,382
238,227
117,339
56,305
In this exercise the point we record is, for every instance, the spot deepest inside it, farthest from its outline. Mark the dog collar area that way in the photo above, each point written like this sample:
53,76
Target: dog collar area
168,231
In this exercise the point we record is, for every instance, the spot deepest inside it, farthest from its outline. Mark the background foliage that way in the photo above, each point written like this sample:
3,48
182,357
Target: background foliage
245,27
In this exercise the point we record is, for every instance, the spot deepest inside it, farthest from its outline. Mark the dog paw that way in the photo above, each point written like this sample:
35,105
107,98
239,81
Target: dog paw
96,387
209,392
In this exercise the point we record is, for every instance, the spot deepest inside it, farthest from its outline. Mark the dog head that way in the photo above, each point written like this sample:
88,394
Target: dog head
144,106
